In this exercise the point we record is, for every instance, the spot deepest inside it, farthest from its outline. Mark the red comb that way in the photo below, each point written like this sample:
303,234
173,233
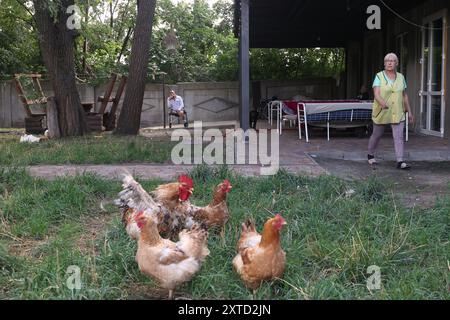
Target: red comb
186,181
137,219
139,214
226,185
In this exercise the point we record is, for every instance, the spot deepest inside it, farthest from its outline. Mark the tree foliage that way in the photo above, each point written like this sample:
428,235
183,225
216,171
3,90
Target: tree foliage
291,64
207,49
19,49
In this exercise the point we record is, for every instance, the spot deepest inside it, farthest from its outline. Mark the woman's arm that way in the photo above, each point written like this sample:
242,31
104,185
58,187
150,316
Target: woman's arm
378,98
407,107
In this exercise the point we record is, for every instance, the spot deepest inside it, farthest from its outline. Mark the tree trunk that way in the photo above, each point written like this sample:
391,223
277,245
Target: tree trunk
111,16
85,41
124,45
130,116
52,119
57,46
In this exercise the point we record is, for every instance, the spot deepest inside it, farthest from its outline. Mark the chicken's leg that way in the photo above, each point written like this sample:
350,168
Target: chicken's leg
222,235
170,294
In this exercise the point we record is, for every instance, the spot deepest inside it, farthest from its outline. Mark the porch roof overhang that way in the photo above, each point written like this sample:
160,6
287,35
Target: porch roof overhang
311,23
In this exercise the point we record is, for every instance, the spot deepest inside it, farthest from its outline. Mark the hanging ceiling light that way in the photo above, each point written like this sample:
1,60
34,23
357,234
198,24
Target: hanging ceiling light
171,40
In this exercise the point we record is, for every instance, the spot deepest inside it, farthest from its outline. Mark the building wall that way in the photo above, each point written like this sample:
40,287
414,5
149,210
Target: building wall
373,50
376,44
327,88
12,112
364,60
210,101
204,101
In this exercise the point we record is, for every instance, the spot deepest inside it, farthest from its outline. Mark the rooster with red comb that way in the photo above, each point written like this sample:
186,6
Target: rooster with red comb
169,203
183,214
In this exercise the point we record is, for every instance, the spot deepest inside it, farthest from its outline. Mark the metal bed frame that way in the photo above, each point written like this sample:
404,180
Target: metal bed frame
348,118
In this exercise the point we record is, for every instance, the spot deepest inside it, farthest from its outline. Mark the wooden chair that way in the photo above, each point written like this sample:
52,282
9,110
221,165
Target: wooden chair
30,93
104,118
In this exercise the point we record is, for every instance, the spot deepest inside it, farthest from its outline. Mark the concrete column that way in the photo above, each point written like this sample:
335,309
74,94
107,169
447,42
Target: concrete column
447,82
353,69
244,68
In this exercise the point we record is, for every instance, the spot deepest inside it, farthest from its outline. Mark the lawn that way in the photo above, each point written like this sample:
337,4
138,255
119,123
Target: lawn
331,238
91,149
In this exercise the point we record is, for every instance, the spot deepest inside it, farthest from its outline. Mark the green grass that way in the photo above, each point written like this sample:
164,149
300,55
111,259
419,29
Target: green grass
101,149
330,239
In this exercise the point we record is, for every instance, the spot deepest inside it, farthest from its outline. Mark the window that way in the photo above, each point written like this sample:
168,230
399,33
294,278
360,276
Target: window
401,46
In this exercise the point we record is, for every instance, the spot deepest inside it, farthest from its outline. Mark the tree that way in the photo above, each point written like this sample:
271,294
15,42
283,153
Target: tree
130,116
109,48
56,40
19,48
207,49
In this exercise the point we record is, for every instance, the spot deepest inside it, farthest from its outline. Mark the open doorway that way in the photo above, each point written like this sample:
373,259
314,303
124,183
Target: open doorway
432,99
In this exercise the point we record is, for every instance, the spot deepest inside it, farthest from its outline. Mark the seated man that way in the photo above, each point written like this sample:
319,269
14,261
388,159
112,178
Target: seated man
176,106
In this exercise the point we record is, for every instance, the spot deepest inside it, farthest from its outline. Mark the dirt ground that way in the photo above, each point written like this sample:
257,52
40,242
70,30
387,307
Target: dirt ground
418,187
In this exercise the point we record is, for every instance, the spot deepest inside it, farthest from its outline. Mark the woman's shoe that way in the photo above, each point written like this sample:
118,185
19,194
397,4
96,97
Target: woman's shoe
403,166
371,159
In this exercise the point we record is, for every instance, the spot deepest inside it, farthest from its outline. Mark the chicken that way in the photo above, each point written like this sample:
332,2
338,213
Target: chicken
174,196
216,213
168,204
169,263
260,257
133,199
174,201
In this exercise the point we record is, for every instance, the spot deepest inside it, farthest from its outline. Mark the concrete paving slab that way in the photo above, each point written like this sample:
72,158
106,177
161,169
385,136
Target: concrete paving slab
164,172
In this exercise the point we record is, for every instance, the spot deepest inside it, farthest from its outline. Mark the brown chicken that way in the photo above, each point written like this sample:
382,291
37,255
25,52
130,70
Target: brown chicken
168,203
260,257
169,263
174,195
216,213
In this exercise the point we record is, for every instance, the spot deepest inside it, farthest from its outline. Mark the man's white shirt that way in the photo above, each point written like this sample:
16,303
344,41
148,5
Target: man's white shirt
176,104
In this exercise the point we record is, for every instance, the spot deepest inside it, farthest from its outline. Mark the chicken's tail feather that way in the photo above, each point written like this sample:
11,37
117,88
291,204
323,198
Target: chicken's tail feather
203,226
194,241
126,214
199,230
248,226
133,195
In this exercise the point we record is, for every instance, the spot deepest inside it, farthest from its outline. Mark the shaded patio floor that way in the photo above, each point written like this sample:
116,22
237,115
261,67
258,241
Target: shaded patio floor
347,146
342,146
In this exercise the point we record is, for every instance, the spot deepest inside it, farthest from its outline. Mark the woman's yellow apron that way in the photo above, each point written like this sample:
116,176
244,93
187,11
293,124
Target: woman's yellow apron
393,95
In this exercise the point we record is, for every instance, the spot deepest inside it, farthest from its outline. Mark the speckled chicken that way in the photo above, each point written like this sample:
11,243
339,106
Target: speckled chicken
168,203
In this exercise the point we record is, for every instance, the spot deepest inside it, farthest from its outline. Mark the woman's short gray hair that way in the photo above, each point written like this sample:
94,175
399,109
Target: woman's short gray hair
392,56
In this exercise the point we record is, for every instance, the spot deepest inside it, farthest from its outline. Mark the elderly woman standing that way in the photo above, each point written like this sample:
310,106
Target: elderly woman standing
389,108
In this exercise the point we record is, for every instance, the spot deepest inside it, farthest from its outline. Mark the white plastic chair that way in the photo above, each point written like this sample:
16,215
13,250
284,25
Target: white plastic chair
274,106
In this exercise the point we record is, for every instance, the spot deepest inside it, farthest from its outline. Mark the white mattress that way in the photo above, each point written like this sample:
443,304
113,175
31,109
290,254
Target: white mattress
314,108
